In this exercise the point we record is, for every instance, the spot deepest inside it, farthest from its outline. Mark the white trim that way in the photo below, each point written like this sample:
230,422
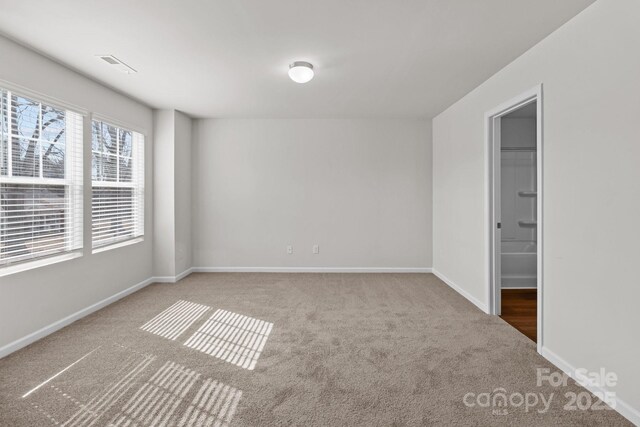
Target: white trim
55,326
113,184
539,213
622,407
482,306
184,274
119,244
310,270
532,95
172,279
37,263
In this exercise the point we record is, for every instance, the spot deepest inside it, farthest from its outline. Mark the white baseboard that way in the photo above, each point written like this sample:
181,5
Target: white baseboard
622,407
310,270
482,306
172,279
41,333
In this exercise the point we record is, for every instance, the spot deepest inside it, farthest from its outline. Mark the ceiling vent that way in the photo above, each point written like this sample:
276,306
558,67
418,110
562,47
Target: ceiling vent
117,64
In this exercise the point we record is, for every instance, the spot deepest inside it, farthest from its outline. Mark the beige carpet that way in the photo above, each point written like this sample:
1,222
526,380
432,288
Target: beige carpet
284,349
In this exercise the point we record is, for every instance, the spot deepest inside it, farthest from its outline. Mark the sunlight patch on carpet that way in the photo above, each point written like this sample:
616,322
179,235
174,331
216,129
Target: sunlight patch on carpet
214,405
156,401
232,337
133,389
175,320
75,397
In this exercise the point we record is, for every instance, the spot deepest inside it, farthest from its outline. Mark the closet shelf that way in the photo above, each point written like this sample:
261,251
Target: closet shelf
527,193
527,223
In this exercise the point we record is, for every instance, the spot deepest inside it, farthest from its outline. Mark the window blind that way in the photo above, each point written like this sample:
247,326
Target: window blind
40,179
117,174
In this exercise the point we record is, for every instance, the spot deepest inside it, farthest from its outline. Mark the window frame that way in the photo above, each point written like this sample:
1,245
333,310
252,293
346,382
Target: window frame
72,181
138,146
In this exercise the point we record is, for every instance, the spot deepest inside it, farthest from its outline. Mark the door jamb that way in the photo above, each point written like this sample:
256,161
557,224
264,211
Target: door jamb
532,95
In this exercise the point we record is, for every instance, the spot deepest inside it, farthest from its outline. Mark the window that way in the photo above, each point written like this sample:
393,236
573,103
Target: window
117,175
40,179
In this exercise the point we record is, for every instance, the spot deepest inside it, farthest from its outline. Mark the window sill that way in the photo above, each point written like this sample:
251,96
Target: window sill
30,265
117,245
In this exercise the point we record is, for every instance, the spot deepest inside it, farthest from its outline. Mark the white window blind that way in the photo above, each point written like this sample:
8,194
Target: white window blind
40,179
117,174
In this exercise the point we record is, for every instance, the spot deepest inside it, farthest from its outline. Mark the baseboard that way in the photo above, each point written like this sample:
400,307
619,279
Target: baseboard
622,407
47,330
172,279
482,306
310,270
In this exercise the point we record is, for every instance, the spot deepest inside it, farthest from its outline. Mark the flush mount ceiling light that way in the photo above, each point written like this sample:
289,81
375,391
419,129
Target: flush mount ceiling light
301,72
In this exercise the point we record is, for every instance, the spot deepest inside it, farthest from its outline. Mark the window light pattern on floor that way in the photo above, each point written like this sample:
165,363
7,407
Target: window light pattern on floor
89,414
232,337
161,401
155,403
214,405
65,400
131,393
175,320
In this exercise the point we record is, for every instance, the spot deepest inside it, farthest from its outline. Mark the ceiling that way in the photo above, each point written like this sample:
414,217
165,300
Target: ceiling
210,58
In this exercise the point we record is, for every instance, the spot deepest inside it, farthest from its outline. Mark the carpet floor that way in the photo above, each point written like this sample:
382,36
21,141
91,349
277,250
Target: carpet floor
251,349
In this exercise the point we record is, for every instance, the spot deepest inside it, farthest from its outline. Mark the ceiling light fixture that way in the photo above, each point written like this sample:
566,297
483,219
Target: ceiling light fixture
301,71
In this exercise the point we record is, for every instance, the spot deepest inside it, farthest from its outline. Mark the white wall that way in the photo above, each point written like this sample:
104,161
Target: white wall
164,233
589,68
361,189
36,298
172,205
183,141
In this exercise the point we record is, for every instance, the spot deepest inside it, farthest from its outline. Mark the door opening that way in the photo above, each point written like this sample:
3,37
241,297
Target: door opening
514,143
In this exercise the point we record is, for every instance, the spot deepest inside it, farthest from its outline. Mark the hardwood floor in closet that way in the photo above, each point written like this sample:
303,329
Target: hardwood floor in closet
520,309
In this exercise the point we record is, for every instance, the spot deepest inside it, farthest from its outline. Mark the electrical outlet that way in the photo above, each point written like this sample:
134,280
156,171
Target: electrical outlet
289,249
316,249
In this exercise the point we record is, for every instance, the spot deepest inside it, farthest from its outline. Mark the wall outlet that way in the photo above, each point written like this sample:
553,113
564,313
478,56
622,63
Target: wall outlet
289,249
316,249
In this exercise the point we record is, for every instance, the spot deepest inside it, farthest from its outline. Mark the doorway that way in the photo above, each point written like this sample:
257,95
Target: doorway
514,145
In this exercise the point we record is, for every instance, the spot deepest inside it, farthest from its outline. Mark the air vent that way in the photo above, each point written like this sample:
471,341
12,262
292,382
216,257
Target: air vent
117,64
